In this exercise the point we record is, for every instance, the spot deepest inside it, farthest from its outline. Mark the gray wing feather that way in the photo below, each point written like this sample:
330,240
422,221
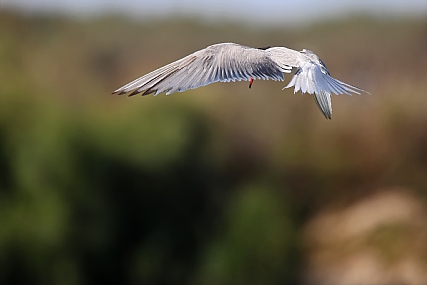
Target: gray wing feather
323,101
222,62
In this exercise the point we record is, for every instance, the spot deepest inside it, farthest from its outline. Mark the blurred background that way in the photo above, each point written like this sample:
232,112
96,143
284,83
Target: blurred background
222,184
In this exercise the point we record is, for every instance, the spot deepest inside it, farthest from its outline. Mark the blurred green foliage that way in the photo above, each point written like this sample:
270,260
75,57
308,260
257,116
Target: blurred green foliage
206,187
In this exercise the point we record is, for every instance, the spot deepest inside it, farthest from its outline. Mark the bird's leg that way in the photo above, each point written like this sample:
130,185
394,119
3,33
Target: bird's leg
250,82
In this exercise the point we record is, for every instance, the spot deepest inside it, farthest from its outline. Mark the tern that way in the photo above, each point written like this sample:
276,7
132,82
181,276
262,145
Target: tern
225,62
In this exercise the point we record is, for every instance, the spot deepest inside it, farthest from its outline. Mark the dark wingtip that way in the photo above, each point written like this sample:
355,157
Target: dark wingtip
328,115
134,93
118,93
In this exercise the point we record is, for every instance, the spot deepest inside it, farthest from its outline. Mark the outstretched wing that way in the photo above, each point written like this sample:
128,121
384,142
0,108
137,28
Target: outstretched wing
313,77
221,62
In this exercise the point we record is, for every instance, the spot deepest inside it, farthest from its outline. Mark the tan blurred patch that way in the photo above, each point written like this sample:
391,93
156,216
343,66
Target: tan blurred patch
378,240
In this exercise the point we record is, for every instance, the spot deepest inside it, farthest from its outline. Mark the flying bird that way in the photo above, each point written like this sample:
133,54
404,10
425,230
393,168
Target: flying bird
227,62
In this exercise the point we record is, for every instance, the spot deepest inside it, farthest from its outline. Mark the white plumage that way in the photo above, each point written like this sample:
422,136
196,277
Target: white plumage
226,62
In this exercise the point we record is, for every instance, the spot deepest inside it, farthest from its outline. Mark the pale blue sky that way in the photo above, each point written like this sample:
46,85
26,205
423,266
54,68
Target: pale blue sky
250,10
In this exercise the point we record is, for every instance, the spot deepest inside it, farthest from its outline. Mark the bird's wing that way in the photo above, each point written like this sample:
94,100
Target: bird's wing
314,78
221,62
323,101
